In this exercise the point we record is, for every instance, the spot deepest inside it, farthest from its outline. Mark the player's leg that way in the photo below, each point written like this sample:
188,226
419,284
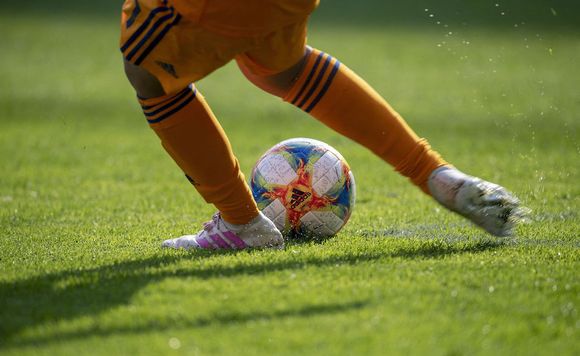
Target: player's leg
486,204
278,84
161,59
195,140
320,85
332,93
193,137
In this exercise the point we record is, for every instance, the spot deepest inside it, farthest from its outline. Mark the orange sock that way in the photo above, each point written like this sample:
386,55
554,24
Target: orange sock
336,96
195,140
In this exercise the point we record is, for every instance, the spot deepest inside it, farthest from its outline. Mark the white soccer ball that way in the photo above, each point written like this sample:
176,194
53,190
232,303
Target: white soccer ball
305,187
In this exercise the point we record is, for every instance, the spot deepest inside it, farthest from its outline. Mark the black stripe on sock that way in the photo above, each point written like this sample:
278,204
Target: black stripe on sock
325,87
174,100
316,82
176,109
309,78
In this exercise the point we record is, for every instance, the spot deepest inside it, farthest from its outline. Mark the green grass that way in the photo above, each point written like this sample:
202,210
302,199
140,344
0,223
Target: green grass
87,194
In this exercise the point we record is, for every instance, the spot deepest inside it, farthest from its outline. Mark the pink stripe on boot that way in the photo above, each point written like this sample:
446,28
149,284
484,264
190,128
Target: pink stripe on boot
233,238
203,243
217,239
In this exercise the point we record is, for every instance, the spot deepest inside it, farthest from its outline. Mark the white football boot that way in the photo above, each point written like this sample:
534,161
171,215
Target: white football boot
488,205
218,234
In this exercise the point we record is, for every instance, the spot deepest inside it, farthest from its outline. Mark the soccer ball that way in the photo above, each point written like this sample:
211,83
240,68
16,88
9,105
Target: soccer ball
305,187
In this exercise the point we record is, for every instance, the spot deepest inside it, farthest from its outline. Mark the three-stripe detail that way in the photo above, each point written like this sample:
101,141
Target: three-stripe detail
317,82
165,109
147,36
221,240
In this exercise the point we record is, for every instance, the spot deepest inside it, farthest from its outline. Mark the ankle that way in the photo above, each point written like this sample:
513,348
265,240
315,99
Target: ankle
239,227
444,183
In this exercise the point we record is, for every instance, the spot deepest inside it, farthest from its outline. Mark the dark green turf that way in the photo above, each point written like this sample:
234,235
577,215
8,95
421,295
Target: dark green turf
87,194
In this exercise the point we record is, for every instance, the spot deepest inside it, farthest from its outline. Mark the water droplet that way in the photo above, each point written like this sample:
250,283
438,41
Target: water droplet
485,330
174,343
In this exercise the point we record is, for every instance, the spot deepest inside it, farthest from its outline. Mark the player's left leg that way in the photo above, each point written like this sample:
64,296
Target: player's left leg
165,52
195,140
329,91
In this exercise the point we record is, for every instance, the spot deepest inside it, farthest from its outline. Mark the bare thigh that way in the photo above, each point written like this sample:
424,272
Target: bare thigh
145,84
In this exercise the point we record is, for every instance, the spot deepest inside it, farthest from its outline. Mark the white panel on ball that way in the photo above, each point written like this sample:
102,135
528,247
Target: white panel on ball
276,170
326,172
323,223
276,212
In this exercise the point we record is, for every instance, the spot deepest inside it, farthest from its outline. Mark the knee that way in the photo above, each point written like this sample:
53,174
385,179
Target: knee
145,84
278,84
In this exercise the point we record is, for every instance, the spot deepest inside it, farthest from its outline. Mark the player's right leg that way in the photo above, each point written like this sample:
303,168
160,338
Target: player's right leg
338,97
332,93
488,205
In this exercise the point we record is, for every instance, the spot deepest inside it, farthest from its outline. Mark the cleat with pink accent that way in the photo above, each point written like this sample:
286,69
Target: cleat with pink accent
219,235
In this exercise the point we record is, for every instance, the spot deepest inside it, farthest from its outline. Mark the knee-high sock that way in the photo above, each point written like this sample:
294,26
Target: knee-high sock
336,96
195,140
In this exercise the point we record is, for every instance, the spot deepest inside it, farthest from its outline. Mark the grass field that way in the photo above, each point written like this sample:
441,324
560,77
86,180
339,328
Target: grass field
87,194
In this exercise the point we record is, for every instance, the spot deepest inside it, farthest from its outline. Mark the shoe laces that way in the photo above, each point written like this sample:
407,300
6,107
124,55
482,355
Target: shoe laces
213,224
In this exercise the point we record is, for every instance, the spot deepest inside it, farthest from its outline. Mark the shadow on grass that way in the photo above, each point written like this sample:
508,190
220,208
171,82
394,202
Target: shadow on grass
222,319
548,14
70,294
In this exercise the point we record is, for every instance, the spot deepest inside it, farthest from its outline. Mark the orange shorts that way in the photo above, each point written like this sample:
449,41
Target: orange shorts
182,41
